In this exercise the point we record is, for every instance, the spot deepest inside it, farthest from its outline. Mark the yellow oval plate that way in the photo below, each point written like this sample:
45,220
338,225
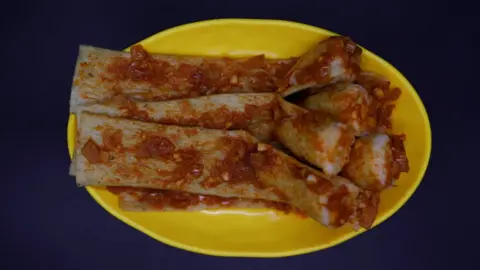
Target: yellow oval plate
265,233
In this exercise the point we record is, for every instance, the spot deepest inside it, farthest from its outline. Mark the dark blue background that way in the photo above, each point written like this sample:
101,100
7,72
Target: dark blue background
46,221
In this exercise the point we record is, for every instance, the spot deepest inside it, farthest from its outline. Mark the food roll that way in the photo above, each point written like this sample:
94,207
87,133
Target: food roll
157,200
253,112
120,152
101,74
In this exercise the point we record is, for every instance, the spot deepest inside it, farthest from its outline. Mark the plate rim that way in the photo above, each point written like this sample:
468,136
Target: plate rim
71,130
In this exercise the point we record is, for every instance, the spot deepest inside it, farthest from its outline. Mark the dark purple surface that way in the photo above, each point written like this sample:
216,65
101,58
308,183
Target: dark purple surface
46,221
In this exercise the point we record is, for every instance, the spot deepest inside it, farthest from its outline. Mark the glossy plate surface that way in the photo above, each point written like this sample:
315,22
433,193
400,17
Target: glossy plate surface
265,233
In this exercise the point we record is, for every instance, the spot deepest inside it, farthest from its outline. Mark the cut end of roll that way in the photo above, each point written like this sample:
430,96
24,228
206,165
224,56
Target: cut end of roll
367,209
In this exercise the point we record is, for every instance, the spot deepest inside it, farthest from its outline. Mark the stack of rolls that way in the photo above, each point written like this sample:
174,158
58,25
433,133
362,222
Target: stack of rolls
308,135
